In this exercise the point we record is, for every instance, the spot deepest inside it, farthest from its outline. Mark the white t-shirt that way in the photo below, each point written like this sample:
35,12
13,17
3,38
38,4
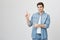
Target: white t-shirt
39,29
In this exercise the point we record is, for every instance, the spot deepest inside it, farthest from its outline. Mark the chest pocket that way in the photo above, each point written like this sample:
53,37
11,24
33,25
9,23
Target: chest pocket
35,20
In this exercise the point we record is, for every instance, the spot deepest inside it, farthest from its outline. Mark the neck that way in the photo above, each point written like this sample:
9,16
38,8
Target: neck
41,13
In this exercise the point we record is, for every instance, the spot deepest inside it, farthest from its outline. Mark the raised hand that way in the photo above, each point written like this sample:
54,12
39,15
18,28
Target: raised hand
27,15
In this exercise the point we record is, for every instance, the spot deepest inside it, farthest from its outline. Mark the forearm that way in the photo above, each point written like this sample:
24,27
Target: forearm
27,20
41,25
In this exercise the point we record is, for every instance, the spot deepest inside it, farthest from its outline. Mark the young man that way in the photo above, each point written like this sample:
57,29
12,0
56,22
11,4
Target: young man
40,22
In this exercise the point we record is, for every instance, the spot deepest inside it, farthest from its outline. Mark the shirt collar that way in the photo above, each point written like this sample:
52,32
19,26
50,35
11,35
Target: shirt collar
42,13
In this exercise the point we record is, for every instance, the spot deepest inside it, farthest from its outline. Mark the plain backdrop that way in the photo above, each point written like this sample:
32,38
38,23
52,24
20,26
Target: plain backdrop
12,18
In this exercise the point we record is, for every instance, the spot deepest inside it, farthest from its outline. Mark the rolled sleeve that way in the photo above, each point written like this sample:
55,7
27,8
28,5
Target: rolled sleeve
47,23
30,24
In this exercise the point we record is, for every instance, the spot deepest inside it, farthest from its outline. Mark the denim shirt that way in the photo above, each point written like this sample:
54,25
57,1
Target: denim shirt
45,20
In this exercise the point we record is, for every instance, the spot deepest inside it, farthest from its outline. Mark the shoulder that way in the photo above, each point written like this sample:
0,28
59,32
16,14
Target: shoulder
35,14
47,14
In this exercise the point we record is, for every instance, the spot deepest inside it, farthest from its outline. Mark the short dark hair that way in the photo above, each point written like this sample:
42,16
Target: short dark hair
40,3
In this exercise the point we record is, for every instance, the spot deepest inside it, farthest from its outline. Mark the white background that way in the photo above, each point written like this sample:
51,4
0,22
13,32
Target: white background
12,20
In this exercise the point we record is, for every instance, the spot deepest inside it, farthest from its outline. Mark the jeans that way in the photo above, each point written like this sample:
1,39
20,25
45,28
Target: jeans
38,37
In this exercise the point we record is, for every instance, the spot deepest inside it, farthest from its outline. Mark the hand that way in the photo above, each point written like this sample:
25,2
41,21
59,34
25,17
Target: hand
36,25
27,15
39,25
42,25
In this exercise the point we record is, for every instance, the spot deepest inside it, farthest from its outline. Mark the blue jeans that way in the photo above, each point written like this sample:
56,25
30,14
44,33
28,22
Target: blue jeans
38,37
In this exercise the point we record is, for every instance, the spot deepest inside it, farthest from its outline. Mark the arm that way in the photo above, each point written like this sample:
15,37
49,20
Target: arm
45,25
30,22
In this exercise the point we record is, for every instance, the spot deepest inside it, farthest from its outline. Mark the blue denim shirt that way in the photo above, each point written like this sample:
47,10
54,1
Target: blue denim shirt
34,20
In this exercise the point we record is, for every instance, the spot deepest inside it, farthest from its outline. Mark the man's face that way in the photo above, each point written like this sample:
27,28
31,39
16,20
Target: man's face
40,8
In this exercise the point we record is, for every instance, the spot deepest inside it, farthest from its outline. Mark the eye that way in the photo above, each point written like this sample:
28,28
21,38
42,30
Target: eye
38,7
